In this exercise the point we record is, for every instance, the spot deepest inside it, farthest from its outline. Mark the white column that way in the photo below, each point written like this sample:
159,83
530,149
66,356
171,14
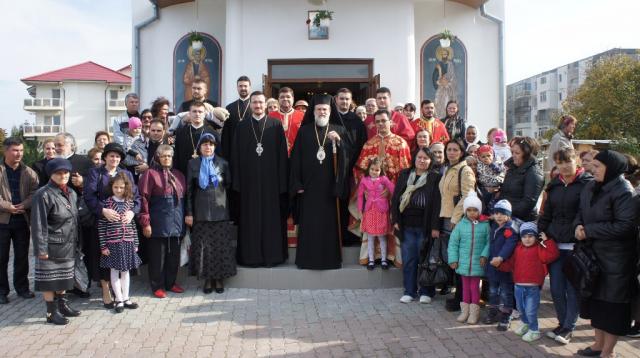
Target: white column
233,53
411,73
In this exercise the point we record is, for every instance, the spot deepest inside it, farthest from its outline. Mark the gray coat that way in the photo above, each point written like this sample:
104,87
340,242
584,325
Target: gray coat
54,223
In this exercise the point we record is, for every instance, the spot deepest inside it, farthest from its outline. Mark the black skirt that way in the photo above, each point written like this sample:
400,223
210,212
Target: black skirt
213,251
613,318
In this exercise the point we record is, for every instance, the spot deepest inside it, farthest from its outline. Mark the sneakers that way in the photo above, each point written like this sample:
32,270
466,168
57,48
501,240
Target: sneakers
160,294
406,299
634,332
425,299
554,333
563,336
524,328
504,321
515,315
531,336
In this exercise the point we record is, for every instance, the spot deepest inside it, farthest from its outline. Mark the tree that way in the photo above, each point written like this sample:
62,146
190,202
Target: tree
607,104
3,136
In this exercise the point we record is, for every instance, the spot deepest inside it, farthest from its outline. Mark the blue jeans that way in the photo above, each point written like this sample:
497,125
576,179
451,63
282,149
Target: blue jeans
411,243
564,295
528,301
501,293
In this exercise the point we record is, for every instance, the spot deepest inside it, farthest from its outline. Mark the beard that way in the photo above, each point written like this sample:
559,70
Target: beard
322,121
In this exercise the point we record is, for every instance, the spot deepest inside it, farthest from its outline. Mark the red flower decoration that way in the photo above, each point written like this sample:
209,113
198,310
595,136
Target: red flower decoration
508,233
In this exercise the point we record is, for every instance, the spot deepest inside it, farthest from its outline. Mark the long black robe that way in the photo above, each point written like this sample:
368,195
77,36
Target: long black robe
187,139
236,110
318,241
229,128
356,138
262,184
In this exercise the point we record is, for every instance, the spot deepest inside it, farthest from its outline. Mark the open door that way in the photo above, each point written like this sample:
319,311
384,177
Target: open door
266,85
374,84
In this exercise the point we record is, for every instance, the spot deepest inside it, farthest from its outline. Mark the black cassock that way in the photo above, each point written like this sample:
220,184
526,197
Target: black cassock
355,138
239,110
186,142
316,214
261,181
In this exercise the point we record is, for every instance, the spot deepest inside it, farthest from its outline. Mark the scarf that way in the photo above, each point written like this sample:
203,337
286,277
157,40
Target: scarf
616,164
406,196
208,173
169,178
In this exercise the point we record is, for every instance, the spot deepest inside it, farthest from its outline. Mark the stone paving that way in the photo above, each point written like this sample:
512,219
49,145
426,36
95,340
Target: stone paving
271,323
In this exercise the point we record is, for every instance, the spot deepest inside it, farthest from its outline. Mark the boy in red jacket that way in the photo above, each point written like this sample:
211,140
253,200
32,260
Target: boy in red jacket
528,265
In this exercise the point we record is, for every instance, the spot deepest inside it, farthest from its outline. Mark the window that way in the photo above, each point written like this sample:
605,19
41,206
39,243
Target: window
560,77
543,96
518,133
560,96
52,120
543,80
541,131
55,93
113,94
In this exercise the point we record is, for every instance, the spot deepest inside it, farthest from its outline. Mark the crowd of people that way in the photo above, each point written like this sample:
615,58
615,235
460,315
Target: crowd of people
241,184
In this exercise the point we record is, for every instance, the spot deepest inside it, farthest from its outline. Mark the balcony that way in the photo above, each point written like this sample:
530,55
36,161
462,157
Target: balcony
41,130
43,104
116,105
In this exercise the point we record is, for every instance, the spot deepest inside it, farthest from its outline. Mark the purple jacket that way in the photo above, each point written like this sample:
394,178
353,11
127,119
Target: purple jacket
374,188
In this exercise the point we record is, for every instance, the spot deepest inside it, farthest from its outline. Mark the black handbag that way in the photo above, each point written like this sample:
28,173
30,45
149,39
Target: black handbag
434,270
581,269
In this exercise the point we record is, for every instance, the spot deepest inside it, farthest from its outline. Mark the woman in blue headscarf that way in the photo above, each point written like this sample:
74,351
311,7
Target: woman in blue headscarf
206,208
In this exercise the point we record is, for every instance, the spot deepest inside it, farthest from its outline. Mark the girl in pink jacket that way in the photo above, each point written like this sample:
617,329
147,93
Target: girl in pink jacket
374,192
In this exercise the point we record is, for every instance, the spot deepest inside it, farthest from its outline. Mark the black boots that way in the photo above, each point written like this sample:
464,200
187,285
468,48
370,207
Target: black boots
54,316
63,306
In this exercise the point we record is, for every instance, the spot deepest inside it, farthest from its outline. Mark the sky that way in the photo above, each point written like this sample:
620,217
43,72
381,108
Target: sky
50,34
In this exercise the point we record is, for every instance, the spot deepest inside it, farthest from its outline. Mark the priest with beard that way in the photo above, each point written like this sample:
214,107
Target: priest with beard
316,187
259,157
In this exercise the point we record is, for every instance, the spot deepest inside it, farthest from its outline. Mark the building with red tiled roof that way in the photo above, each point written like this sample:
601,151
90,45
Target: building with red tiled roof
79,99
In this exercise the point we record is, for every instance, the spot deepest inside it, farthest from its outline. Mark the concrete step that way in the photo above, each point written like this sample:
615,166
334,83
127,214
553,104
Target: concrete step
288,276
350,255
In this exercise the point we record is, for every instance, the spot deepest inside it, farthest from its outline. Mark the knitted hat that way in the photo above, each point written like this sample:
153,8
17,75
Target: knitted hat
484,149
135,123
528,228
472,201
499,136
503,207
57,164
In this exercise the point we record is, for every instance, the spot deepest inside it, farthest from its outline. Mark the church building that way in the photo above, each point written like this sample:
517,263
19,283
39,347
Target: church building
420,49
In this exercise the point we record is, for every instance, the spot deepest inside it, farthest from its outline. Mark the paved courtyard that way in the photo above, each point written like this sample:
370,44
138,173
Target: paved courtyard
271,323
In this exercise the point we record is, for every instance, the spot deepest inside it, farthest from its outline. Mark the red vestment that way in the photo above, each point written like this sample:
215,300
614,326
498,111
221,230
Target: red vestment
400,125
291,123
436,128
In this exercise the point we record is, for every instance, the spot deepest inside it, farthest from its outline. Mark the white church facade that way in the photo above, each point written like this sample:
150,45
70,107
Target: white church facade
367,44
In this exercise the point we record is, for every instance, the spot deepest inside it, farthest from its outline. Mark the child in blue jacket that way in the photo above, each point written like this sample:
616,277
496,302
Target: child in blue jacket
468,251
501,245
